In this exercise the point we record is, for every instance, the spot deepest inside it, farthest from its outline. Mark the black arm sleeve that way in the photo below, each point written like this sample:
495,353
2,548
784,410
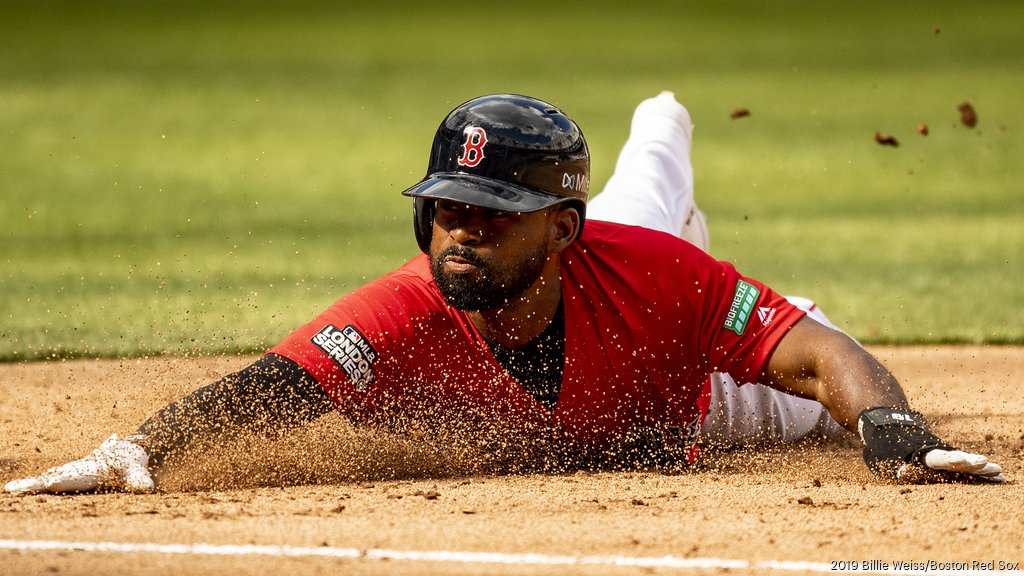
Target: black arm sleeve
270,396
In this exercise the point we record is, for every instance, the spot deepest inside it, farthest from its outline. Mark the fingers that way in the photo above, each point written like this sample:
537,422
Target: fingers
954,460
32,485
117,464
78,476
964,462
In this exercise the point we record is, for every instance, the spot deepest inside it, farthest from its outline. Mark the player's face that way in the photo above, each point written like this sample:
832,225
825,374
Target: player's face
482,258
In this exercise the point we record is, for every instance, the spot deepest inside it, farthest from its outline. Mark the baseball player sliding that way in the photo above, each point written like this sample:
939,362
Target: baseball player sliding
586,335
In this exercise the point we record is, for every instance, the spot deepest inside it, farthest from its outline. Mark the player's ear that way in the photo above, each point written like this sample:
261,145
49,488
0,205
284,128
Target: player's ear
566,226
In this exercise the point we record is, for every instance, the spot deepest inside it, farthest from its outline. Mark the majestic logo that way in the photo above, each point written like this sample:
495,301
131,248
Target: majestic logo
473,148
766,314
743,301
350,350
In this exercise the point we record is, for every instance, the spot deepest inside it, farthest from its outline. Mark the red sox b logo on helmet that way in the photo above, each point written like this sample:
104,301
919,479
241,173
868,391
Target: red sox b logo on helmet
473,148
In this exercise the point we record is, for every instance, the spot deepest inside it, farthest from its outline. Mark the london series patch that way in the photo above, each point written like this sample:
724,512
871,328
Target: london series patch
743,301
350,350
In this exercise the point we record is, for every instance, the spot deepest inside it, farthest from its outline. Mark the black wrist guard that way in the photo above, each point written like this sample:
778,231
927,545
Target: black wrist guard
893,438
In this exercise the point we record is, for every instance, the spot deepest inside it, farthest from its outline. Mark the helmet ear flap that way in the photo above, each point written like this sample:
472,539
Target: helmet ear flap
423,221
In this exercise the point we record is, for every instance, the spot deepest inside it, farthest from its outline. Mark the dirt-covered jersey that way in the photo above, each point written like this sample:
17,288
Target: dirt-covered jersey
647,318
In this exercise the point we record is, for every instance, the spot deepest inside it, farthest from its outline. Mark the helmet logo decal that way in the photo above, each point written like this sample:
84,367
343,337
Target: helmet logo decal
576,182
473,148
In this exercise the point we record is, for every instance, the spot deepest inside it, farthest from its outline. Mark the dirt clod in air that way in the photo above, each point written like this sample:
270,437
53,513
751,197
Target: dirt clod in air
739,113
968,115
886,140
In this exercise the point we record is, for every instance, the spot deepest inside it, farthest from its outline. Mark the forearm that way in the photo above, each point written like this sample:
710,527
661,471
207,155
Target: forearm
816,362
270,396
851,380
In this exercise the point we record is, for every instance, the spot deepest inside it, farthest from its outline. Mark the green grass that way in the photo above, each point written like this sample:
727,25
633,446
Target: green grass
204,177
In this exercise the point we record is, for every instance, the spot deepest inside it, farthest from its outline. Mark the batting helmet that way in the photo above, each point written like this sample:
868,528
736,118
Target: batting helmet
503,152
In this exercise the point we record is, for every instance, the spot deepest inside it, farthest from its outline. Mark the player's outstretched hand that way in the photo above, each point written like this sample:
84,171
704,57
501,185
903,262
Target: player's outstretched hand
958,461
116,465
899,445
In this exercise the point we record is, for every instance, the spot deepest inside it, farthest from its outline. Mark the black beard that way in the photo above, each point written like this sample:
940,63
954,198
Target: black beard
488,288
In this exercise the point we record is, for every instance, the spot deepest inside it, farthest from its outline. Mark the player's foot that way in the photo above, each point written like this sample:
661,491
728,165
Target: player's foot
663,105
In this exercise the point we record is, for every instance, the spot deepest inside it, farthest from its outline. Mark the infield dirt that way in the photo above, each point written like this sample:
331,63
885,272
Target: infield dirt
331,485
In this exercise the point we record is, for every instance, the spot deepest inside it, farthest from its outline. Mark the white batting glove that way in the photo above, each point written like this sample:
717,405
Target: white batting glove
964,463
117,464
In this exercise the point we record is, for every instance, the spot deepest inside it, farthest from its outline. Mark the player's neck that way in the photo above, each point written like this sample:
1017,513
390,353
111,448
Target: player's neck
523,318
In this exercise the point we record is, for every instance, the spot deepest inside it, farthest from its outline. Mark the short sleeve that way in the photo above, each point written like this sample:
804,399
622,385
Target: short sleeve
365,334
743,322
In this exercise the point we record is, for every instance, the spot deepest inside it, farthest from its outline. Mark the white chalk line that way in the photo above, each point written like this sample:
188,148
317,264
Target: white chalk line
456,557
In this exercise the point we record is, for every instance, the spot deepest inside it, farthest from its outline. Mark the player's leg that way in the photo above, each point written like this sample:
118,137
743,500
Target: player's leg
652,185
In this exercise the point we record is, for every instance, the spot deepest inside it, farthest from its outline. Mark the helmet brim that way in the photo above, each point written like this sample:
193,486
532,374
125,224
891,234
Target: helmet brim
483,192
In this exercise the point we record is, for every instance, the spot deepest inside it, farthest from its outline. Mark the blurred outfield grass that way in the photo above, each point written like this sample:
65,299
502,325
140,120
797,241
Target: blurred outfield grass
201,177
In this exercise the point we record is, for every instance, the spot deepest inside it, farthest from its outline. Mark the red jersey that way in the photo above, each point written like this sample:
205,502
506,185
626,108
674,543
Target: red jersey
647,318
